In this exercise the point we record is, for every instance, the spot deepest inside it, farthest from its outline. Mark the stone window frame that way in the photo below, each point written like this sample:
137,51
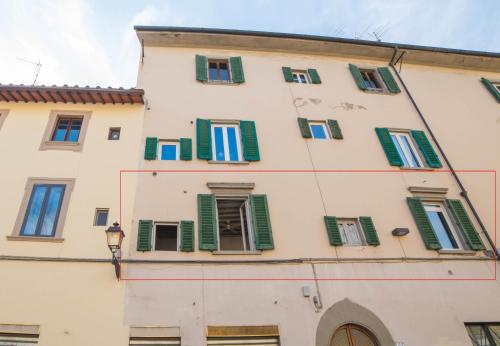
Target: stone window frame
16,232
3,116
49,144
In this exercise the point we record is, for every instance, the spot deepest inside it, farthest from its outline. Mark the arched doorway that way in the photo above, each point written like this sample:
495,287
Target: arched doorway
346,317
353,335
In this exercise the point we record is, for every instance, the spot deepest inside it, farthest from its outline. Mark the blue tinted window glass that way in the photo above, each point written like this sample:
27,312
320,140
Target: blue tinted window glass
413,159
101,218
168,152
219,144
60,132
212,71
400,151
52,210
295,78
442,230
224,72
303,78
318,131
34,209
74,132
232,143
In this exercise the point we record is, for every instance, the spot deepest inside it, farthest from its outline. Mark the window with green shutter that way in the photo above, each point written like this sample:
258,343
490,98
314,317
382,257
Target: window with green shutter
144,235
426,149
374,79
423,223
187,236
390,82
207,222
369,230
237,75
314,76
203,139
287,73
249,141
304,127
389,147
335,129
201,68
493,88
261,222
465,224
332,229
150,148
186,150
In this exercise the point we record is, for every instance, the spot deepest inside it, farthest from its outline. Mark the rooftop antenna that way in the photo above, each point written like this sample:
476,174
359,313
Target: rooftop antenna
378,32
38,67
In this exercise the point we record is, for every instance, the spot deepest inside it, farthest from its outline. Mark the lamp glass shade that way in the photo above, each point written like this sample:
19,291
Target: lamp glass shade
113,236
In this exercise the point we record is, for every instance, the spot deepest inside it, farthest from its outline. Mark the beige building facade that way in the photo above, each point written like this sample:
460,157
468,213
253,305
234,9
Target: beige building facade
273,190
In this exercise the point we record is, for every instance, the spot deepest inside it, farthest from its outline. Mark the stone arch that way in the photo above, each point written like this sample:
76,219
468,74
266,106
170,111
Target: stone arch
344,312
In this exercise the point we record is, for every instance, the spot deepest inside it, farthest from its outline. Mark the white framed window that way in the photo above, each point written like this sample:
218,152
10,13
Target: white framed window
168,150
372,79
166,236
350,232
301,77
407,149
319,130
234,223
445,229
226,142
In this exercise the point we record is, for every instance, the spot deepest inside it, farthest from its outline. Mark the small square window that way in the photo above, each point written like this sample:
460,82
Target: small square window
406,149
218,70
372,79
101,217
114,134
300,77
350,232
67,129
169,150
166,237
319,130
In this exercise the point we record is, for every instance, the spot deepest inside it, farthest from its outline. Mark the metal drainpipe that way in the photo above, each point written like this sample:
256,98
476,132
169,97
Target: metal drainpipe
463,192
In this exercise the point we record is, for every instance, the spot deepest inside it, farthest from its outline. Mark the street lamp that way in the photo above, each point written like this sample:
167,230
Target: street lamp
114,237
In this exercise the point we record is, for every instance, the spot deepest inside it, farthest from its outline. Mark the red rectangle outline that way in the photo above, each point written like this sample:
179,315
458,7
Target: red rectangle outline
316,171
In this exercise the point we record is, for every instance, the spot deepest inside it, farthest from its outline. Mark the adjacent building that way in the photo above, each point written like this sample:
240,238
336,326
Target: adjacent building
273,189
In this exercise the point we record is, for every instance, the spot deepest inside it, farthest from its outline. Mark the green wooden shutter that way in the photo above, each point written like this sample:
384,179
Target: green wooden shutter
203,139
426,148
187,236
423,223
492,89
305,130
332,229
150,148
201,68
389,81
465,224
369,230
313,73
144,235
388,145
249,140
186,148
287,73
358,78
335,129
237,75
207,222
261,222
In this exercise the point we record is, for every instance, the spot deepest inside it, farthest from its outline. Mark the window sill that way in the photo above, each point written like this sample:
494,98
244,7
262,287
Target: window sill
457,252
429,169
218,82
378,91
37,239
256,252
230,162
53,145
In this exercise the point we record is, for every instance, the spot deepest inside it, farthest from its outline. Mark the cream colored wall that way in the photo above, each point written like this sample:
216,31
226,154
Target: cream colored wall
74,303
296,204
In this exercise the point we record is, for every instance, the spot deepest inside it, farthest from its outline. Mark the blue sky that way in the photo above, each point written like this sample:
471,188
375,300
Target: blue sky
92,42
